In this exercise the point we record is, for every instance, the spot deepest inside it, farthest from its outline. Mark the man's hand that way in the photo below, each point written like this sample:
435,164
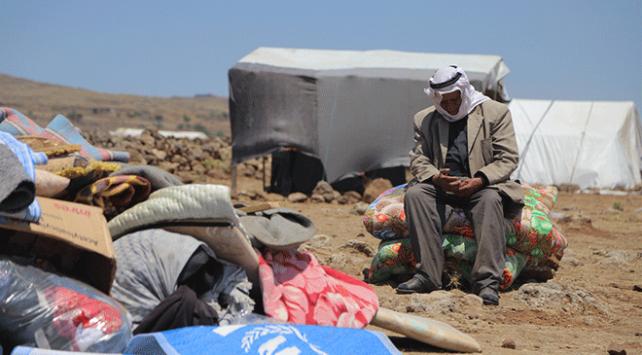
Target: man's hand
446,182
469,186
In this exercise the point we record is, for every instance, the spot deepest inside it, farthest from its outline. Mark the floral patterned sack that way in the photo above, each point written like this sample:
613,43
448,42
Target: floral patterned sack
535,234
542,199
385,218
514,264
533,242
396,260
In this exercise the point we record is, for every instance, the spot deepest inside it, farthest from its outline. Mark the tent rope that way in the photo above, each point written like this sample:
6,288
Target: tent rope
522,159
579,150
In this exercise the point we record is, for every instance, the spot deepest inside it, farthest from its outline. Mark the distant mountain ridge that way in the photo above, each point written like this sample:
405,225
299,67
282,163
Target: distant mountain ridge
91,110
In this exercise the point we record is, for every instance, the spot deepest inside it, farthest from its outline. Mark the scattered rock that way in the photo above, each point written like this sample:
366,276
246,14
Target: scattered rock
316,242
168,166
352,197
159,154
615,349
337,261
328,197
612,210
148,138
360,208
297,197
252,195
197,160
317,198
572,216
198,168
571,260
374,188
509,344
249,171
637,288
435,302
342,200
360,246
551,296
473,300
322,188
616,256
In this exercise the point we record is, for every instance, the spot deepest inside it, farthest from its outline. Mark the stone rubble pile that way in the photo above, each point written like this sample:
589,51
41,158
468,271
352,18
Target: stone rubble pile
197,161
192,160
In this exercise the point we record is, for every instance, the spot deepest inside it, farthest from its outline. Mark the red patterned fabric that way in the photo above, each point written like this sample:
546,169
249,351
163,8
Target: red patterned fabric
74,310
297,289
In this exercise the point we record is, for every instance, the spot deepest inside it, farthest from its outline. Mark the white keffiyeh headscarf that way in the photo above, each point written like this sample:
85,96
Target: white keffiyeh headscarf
450,79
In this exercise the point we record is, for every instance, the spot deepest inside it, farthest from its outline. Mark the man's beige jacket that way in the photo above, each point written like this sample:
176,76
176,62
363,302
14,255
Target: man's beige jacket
492,149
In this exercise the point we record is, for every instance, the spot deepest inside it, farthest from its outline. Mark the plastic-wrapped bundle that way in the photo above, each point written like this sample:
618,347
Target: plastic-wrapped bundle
514,264
533,234
537,236
42,309
396,259
385,218
542,199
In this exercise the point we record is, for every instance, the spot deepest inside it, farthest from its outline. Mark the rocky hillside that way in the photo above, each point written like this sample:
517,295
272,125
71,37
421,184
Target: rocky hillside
93,110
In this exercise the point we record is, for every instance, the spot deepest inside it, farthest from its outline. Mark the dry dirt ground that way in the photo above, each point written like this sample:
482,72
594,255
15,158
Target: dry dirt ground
593,303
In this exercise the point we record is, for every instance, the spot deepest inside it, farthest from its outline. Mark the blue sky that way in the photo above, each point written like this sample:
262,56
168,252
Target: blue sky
558,49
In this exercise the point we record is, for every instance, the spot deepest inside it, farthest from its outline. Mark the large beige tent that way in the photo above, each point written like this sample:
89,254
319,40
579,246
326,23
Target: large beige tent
592,144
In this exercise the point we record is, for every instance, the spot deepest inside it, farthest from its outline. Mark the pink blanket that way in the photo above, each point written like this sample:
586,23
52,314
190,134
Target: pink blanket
297,289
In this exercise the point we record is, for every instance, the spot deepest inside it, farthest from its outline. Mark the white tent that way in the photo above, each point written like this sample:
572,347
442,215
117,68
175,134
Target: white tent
350,109
592,144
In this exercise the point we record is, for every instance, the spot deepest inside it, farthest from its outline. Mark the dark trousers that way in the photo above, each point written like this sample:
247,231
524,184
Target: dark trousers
425,208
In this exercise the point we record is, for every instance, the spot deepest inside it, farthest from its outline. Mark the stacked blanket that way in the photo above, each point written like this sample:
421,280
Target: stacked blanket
60,129
533,241
297,289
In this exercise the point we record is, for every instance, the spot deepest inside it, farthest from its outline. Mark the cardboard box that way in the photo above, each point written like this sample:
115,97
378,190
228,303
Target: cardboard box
70,237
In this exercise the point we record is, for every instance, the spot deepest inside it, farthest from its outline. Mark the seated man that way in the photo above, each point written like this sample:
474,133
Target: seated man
464,154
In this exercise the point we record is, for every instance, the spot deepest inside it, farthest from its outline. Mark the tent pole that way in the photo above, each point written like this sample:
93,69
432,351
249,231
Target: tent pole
233,170
264,173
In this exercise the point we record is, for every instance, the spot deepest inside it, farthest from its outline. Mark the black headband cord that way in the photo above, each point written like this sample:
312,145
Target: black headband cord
445,83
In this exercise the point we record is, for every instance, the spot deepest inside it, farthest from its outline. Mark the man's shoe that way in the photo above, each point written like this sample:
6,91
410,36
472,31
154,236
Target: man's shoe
490,296
415,285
